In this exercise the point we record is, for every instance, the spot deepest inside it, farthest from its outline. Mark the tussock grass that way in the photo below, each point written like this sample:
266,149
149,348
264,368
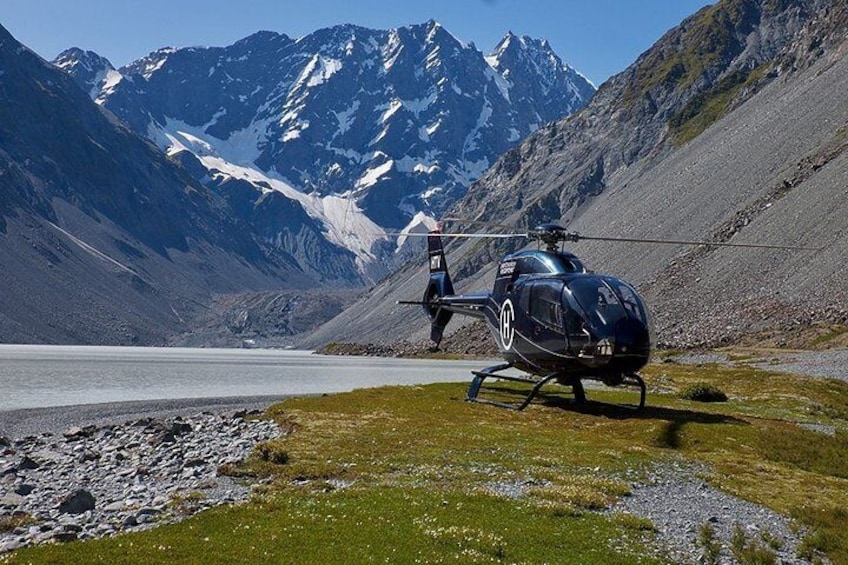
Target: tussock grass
703,392
414,474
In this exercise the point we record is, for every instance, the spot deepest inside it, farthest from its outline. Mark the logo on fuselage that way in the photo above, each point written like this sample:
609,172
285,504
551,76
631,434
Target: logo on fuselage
506,268
507,325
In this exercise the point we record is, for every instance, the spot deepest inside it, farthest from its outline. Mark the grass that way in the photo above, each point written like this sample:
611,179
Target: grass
414,474
709,106
701,48
750,551
17,520
703,392
710,546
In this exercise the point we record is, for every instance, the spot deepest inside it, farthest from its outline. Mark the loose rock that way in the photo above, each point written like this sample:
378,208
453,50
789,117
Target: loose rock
77,502
119,478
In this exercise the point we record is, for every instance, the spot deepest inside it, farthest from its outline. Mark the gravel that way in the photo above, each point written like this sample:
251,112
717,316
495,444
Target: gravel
34,421
831,364
679,504
93,481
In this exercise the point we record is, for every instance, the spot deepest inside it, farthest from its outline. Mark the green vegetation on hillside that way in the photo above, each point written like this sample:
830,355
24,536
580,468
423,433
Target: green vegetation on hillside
414,474
706,108
701,47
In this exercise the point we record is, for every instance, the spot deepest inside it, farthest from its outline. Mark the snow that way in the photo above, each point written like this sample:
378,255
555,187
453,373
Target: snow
318,70
379,137
240,148
434,30
346,118
420,223
482,121
293,124
390,110
346,223
219,114
468,171
392,51
432,61
431,192
419,105
500,82
328,68
409,164
371,176
109,82
291,134
514,135
154,65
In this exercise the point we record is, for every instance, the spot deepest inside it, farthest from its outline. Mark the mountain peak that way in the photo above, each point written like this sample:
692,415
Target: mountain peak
74,57
90,70
263,36
386,123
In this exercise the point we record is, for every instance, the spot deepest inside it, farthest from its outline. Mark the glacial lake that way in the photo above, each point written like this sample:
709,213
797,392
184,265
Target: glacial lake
37,376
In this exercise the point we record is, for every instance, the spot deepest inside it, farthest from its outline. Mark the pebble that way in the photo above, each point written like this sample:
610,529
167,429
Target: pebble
679,503
94,482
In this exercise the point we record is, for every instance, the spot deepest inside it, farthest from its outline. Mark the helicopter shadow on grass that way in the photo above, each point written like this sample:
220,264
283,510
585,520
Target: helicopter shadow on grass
670,434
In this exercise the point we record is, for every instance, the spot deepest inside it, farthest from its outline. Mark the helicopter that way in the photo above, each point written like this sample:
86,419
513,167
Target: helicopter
553,319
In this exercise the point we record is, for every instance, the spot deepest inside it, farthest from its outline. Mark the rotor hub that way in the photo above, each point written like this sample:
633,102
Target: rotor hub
552,235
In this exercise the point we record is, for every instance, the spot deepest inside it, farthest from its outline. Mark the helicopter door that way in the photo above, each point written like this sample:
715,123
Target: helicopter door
542,302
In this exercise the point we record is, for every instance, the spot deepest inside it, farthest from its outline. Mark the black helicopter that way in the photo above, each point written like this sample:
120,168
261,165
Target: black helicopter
552,318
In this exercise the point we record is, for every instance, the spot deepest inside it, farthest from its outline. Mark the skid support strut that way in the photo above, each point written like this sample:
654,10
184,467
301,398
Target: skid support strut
537,382
630,379
633,379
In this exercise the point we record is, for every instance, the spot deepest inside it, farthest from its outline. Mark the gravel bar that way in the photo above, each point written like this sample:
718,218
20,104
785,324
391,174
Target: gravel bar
35,421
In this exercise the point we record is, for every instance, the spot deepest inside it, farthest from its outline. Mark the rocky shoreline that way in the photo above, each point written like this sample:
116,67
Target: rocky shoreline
92,481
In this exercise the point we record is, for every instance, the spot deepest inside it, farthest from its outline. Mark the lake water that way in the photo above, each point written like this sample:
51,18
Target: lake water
36,376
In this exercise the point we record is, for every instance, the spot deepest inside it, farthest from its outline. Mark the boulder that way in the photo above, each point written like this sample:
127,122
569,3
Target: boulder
77,502
28,464
11,500
76,433
24,489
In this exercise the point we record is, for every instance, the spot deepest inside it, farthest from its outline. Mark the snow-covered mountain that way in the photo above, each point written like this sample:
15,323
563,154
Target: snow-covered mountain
348,132
103,240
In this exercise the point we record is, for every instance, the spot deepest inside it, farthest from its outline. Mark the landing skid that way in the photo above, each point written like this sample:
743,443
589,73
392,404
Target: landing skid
631,379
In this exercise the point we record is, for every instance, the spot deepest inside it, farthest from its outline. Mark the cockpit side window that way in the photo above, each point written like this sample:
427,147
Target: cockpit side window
544,304
528,265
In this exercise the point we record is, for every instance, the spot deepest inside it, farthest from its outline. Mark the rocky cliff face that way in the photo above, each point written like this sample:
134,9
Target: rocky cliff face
730,128
361,130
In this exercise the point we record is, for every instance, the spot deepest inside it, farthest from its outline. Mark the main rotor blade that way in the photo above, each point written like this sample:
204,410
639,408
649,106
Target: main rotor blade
578,237
478,223
466,235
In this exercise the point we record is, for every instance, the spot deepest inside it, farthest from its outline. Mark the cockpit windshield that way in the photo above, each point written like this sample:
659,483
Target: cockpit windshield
603,301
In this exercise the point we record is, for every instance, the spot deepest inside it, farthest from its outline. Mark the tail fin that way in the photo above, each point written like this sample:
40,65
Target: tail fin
439,285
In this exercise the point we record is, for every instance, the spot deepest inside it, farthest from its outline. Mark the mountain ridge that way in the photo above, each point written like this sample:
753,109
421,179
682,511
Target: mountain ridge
103,239
395,122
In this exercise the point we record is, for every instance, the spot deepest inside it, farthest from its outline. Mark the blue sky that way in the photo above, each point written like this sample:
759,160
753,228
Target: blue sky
597,37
